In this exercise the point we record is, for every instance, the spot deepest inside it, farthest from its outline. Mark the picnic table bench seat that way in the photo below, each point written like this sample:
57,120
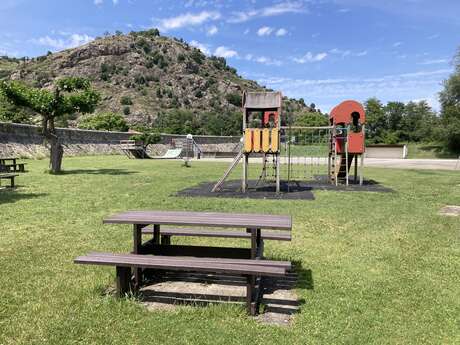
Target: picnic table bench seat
247,268
8,176
167,233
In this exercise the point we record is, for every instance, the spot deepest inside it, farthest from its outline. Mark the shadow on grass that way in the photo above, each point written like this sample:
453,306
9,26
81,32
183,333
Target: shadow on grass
203,289
97,172
10,195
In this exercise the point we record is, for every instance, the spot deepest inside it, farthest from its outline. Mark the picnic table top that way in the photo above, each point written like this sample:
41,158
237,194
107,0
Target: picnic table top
227,220
8,158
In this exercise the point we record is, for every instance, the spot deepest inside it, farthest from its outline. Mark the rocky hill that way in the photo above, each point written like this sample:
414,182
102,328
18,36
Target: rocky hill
142,74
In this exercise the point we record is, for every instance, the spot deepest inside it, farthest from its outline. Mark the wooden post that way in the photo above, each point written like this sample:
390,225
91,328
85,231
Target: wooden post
137,242
245,172
356,168
361,170
278,162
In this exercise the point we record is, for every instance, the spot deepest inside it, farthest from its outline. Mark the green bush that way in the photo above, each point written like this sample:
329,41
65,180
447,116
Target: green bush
147,138
126,110
126,100
234,98
104,122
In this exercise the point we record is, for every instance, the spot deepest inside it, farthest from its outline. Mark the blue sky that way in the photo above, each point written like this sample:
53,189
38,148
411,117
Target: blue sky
324,51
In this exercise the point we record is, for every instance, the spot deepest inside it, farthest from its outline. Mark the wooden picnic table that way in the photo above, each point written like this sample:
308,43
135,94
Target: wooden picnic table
4,159
250,223
9,164
246,262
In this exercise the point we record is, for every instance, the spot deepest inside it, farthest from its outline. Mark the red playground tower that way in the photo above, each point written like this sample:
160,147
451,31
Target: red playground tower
348,140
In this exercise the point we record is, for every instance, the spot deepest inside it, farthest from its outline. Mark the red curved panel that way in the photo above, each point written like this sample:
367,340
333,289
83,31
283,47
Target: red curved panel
342,112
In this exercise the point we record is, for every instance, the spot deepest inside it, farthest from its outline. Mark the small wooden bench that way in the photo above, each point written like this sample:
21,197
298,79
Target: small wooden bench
247,268
167,233
8,177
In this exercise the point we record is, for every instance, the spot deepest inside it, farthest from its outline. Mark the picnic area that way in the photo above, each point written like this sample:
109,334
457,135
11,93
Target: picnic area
371,266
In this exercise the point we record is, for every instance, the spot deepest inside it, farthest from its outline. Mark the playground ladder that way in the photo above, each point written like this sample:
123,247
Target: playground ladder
229,170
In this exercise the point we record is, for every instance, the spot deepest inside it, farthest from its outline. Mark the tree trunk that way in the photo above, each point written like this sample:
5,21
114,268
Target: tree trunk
56,153
56,149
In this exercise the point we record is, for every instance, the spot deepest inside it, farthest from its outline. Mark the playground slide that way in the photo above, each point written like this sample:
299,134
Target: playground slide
170,154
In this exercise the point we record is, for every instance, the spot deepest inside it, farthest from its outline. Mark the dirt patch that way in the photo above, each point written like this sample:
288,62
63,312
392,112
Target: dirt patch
299,190
450,210
174,289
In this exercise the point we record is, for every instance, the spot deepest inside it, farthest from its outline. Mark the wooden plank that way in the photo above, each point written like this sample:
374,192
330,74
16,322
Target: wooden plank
265,235
182,218
273,263
143,261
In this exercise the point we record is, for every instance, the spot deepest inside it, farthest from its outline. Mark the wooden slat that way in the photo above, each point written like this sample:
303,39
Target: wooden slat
143,261
272,263
217,233
232,220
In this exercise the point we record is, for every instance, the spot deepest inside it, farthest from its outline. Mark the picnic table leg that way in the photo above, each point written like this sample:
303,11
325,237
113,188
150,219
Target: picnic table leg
249,295
156,233
123,280
137,242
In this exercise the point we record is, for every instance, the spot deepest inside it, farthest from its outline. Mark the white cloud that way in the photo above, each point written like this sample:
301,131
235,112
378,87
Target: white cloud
337,51
264,31
344,10
417,85
263,60
432,37
397,44
310,57
98,2
201,46
115,2
188,19
281,32
347,52
71,41
275,10
434,62
212,30
225,52
246,31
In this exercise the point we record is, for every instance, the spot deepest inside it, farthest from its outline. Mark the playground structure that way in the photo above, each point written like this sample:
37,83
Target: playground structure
261,128
299,153
183,148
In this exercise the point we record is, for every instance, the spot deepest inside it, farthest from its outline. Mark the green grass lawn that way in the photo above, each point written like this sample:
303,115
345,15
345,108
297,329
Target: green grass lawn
385,266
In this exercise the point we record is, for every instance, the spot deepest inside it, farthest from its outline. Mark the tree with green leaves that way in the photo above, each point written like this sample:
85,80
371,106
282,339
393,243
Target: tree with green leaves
104,122
69,95
450,108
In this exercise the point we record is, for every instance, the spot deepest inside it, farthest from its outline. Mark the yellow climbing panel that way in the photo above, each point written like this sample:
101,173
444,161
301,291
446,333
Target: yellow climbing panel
256,140
274,140
248,140
265,140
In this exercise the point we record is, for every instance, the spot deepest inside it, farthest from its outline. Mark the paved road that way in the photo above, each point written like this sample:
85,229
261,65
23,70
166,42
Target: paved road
436,164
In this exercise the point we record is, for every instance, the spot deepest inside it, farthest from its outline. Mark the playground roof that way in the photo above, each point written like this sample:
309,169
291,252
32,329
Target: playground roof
262,100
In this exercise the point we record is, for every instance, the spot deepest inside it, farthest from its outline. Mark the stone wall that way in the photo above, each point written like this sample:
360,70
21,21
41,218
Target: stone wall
26,141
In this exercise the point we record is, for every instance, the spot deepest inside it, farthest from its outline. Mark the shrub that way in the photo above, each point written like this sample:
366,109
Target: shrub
104,122
234,98
197,56
126,110
147,137
126,100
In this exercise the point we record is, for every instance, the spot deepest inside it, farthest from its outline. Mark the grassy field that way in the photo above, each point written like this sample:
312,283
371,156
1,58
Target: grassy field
385,266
